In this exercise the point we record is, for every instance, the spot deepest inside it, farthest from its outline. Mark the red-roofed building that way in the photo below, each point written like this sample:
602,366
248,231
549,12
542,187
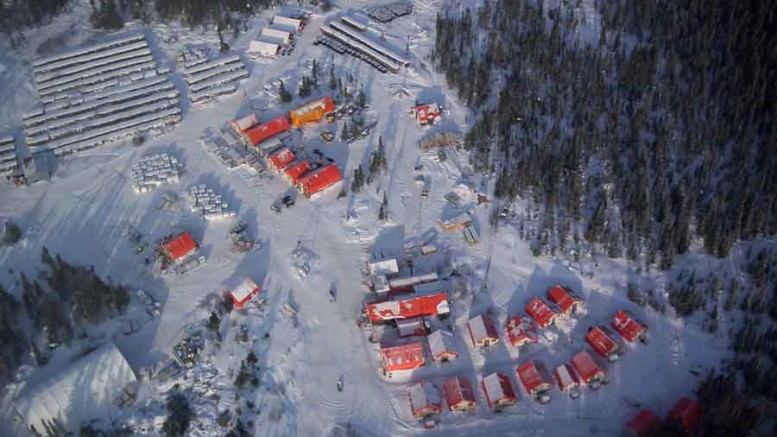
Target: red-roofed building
419,306
628,326
241,125
499,391
542,314
319,180
521,331
263,132
687,413
280,159
404,357
243,293
426,114
535,380
294,172
459,394
602,342
482,331
567,380
567,301
588,369
424,400
442,345
644,424
180,247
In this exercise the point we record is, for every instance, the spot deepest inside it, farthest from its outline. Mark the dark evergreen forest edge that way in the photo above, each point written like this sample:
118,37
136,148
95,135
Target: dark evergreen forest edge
655,135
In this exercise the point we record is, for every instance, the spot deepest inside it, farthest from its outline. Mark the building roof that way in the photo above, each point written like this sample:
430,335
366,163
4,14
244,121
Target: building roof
265,131
533,376
326,105
458,389
244,290
411,327
563,298
180,246
276,33
262,47
242,124
407,308
482,328
585,365
410,281
521,330
644,424
424,396
404,357
601,342
540,312
442,342
320,179
687,412
497,387
384,267
281,158
565,377
78,393
295,171
627,326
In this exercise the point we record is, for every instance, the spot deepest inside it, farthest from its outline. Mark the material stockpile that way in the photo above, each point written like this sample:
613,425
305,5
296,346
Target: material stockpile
152,171
207,203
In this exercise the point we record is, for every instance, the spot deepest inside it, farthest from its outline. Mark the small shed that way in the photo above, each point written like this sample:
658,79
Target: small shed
413,327
404,357
566,300
459,394
521,331
424,400
426,114
179,248
385,267
380,284
535,379
442,345
628,326
540,312
499,391
687,413
567,380
244,292
482,331
643,424
590,372
602,342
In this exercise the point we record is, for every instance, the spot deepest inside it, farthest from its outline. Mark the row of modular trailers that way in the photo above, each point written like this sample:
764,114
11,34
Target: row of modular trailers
346,38
307,176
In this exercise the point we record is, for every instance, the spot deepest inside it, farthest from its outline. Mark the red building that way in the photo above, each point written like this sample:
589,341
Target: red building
628,326
293,172
589,371
179,248
442,345
419,306
279,159
567,301
404,357
535,380
567,380
426,114
644,424
263,132
687,413
499,391
601,341
319,180
424,400
540,312
482,331
521,331
243,293
459,394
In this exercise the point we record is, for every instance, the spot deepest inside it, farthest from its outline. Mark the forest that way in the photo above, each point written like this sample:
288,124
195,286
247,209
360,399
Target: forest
656,132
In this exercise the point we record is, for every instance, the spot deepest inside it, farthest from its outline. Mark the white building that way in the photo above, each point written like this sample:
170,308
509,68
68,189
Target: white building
281,35
286,21
262,48
84,390
386,267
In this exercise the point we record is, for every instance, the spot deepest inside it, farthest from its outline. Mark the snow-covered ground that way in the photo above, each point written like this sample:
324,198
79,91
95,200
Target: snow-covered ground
83,214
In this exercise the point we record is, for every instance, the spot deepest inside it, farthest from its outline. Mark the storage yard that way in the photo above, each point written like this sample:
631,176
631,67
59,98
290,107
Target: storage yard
286,294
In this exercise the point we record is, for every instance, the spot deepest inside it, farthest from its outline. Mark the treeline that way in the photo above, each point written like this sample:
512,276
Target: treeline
659,130
51,312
